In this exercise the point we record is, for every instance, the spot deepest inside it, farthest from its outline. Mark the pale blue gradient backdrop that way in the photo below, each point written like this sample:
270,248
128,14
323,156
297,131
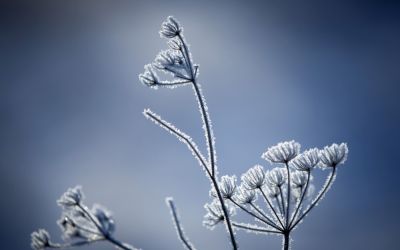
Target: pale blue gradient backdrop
71,113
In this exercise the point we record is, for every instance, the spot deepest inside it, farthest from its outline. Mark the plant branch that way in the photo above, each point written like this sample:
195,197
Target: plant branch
254,215
288,195
326,187
254,228
273,224
186,242
181,136
301,199
272,207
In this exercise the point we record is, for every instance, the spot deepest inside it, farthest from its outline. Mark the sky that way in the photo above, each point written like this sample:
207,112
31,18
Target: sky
71,104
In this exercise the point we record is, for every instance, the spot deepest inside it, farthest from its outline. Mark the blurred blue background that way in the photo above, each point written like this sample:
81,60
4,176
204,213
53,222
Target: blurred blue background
315,71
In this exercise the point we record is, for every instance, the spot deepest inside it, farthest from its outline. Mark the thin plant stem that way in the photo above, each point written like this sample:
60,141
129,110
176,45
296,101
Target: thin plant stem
273,224
210,141
106,235
278,203
186,242
301,199
74,244
286,241
182,136
272,207
255,215
203,108
254,228
288,195
282,200
320,195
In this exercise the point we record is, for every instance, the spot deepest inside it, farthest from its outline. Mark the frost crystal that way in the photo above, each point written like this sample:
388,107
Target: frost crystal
40,239
71,198
333,155
228,186
276,177
283,152
254,177
170,28
307,160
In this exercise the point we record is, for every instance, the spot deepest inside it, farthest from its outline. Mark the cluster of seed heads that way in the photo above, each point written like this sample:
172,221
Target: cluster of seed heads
286,190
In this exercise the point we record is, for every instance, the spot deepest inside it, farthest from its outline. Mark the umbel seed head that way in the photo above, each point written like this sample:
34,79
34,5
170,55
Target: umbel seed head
254,177
333,155
283,152
170,28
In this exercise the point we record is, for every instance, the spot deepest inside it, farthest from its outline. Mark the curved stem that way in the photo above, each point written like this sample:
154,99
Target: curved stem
273,224
320,195
254,215
106,235
186,242
272,207
203,107
282,200
254,228
209,139
74,244
288,195
301,199
181,136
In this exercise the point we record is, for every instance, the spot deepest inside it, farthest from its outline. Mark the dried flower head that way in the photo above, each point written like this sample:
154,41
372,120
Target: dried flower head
307,160
149,77
174,44
104,217
298,178
254,177
333,155
215,213
272,191
71,198
170,28
276,177
40,239
245,196
227,186
283,152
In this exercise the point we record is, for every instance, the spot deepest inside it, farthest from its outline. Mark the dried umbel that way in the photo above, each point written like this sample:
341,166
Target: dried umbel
284,188
79,224
286,192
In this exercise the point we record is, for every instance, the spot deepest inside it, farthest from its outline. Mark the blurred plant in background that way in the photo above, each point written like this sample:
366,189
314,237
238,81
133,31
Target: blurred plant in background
285,190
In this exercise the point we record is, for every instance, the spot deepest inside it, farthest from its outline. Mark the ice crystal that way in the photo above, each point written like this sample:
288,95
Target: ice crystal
283,152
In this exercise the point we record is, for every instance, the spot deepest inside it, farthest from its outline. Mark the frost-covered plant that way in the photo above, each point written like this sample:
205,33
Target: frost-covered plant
285,189
80,225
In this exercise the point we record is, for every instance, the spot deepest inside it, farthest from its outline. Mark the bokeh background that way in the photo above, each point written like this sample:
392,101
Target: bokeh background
315,71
